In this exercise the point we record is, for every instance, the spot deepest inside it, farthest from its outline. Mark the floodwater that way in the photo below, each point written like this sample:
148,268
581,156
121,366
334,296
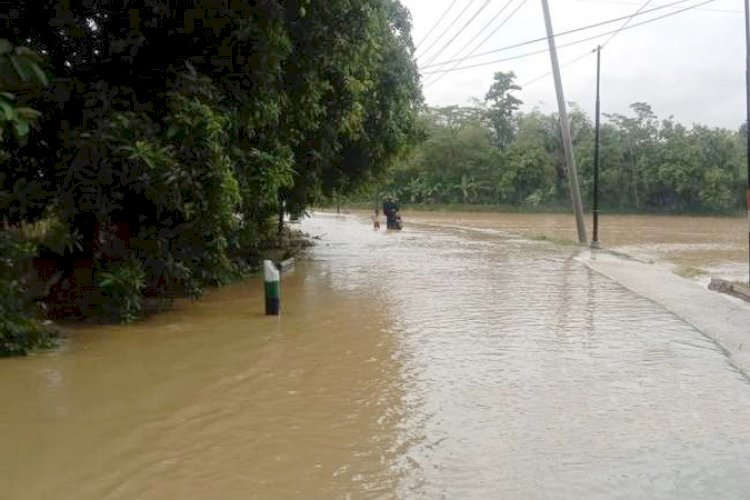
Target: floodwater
692,246
436,362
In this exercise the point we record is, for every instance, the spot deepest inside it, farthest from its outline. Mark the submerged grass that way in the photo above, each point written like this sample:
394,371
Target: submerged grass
459,207
527,209
689,272
554,241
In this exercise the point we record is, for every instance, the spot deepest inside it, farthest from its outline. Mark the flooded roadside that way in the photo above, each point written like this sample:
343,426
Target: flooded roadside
436,362
721,318
213,401
693,247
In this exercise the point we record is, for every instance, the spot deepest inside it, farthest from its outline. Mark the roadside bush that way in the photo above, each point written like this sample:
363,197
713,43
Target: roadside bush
157,156
20,327
121,284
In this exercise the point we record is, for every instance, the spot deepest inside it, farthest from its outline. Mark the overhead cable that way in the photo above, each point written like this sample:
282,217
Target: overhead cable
446,30
476,35
583,56
617,2
466,25
476,47
569,44
627,21
573,61
569,32
442,16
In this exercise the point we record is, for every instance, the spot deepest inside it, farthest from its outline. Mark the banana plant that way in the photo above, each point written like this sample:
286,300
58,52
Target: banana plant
20,71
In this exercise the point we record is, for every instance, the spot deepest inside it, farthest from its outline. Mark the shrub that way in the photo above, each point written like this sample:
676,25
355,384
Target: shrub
121,285
20,327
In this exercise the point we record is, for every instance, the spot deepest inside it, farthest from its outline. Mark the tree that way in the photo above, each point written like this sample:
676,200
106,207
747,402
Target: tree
209,116
20,326
501,106
645,163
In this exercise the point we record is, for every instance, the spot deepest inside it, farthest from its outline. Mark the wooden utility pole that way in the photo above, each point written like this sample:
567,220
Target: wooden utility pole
747,120
575,190
595,210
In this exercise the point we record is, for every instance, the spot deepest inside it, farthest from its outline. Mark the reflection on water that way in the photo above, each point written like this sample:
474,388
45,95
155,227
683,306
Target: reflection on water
214,401
432,363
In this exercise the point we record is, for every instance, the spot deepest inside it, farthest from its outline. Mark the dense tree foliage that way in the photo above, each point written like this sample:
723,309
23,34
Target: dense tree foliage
490,153
20,325
171,134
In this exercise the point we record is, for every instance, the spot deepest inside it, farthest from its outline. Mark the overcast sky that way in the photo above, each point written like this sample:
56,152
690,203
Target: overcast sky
690,65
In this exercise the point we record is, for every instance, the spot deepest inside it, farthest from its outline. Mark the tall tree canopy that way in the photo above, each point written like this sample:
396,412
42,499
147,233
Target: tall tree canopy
502,106
171,132
490,153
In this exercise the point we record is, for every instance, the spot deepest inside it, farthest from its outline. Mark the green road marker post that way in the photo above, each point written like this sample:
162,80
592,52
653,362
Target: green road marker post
273,288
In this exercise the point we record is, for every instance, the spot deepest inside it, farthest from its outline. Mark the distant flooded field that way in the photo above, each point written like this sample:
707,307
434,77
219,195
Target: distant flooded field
694,245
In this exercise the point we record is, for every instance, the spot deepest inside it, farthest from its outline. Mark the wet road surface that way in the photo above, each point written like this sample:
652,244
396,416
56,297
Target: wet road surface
429,363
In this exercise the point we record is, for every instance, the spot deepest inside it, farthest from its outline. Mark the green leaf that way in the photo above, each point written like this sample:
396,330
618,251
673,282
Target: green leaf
28,114
8,111
40,75
22,128
20,70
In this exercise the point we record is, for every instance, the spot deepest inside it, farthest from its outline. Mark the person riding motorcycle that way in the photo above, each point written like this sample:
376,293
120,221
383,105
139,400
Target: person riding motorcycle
390,210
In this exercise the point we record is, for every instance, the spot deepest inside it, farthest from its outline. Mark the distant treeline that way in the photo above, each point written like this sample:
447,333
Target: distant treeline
490,153
149,147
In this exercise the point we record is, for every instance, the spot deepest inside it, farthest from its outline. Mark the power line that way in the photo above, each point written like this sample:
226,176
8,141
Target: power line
627,21
582,28
466,25
476,35
442,16
583,56
616,2
573,61
476,47
572,43
446,30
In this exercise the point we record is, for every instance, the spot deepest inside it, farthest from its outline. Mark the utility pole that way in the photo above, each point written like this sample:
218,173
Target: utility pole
575,190
595,211
747,122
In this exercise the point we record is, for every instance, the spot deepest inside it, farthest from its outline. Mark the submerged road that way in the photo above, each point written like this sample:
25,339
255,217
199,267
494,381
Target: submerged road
434,362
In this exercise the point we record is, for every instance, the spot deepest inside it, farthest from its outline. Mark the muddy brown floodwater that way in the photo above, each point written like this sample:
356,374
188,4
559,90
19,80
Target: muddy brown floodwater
436,362
695,246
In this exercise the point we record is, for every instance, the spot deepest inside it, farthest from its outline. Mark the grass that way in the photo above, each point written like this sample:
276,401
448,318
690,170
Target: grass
460,207
689,272
527,209
554,241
